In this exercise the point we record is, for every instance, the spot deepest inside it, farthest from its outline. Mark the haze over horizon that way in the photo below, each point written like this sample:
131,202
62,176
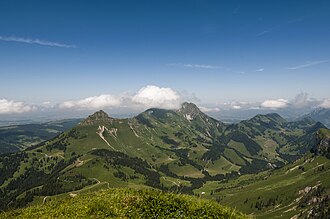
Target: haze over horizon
126,56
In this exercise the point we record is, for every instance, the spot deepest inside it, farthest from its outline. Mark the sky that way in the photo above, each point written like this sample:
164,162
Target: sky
125,56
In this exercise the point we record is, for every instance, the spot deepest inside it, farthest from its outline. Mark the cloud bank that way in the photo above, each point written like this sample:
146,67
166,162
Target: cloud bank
209,109
95,102
301,100
10,106
275,104
147,97
35,41
325,104
152,96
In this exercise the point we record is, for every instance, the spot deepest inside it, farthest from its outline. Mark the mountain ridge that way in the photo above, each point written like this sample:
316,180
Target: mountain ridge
164,149
321,115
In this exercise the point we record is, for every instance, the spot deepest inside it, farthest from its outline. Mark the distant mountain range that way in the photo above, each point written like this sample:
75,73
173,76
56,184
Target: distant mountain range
321,115
18,137
165,149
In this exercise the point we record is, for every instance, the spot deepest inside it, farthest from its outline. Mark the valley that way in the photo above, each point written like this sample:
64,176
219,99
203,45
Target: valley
19,137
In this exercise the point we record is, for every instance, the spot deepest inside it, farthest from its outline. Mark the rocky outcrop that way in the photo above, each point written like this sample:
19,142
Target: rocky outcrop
323,146
98,118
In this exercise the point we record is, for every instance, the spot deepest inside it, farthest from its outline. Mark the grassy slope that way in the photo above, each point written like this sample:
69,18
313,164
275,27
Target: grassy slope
127,203
324,133
282,185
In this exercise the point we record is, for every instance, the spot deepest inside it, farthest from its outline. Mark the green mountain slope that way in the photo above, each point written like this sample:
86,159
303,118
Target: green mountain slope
17,137
299,189
127,203
170,150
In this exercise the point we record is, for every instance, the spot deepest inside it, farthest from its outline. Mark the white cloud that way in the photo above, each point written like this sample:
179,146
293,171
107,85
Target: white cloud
195,65
254,108
302,100
260,70
279,103
147,97
325,104
96,102
207,109
10,106
161,97
236,107
308,64
35,41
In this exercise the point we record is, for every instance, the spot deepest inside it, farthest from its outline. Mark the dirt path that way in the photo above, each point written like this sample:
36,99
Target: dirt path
56,155
78,163
205,166
44,201
76,192
98,181
292,169
177,184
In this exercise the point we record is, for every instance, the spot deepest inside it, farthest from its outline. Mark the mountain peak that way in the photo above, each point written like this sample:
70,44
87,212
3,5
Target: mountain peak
100,112
190,111
96,118
189,107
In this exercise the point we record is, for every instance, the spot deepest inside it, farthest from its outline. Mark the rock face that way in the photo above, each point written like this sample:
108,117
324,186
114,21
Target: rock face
189,109
323,146
99,117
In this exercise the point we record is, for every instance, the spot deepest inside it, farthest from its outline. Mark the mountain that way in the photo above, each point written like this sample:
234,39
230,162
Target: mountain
18,137
178,150
321,115
229,115
297,190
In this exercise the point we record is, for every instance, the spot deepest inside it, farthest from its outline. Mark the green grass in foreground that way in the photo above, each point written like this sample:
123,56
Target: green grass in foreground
127,203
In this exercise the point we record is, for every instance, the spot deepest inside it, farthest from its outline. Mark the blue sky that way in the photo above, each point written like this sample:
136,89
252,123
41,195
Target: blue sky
212,52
